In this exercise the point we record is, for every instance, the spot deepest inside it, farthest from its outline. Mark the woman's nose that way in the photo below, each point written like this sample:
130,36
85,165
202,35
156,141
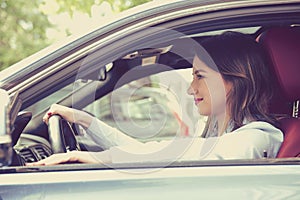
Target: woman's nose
190,90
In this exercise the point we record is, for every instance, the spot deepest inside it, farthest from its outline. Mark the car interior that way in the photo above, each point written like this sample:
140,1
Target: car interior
281,43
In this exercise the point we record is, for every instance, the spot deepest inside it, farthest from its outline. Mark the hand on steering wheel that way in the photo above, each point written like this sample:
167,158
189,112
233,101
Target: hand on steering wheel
61,135
71,115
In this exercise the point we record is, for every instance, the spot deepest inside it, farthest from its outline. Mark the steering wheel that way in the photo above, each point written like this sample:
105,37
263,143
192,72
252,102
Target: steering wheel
61,135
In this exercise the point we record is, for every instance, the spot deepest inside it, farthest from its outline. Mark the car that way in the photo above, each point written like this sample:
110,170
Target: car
132,73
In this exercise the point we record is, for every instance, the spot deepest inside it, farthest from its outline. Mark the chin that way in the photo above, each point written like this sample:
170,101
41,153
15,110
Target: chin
203,112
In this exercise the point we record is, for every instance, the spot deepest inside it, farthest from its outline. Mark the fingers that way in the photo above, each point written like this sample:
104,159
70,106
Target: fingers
73,156
54,159
47,116
56,109
50,112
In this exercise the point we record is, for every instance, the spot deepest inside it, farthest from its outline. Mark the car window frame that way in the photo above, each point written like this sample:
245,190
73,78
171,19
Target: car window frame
205,28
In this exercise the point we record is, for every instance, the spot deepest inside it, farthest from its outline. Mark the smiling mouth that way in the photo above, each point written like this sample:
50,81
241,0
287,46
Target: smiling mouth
198,100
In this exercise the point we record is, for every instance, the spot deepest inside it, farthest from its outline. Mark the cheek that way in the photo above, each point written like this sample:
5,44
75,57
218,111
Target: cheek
217,91
206,105
201,86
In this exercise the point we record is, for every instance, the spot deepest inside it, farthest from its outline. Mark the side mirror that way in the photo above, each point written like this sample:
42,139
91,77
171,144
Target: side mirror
5,136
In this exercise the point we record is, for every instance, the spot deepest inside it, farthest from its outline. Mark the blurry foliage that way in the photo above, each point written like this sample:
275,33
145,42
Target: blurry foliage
23,24
22,30
125,4
84,5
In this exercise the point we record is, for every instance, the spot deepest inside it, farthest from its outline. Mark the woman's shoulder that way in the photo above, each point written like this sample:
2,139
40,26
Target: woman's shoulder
260,128
259,125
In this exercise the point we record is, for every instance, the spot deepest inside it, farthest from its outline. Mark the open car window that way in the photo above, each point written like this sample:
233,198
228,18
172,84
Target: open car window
142,92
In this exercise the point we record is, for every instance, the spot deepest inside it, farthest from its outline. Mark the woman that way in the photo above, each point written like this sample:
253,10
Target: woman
230,86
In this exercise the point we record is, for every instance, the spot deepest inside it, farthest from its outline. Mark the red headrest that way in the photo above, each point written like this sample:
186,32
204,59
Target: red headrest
290,147
283,46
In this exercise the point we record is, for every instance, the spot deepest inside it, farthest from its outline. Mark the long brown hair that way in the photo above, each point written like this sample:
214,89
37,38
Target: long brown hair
241,61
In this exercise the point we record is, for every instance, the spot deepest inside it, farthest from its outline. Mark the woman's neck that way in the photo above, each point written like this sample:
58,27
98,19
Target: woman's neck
222,121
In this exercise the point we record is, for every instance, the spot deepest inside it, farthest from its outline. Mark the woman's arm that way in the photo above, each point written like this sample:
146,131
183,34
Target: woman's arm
102,134
71,115
107,136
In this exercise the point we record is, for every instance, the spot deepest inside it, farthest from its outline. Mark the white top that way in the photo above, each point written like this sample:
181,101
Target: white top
247,142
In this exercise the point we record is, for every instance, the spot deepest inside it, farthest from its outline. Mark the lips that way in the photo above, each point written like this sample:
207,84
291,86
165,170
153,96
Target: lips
198,100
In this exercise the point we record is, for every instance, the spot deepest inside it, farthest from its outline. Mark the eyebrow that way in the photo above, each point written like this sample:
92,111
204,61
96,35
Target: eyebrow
199,71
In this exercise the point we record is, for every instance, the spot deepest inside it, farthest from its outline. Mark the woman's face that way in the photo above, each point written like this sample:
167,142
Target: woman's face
209,89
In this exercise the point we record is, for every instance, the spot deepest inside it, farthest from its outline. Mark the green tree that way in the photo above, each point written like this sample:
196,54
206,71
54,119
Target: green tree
23,24
22,30
85,6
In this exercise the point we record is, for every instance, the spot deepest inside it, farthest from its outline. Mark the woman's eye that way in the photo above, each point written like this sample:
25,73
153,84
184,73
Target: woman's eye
199,76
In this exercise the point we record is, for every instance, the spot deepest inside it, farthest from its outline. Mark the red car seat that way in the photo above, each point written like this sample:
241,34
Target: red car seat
283,47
